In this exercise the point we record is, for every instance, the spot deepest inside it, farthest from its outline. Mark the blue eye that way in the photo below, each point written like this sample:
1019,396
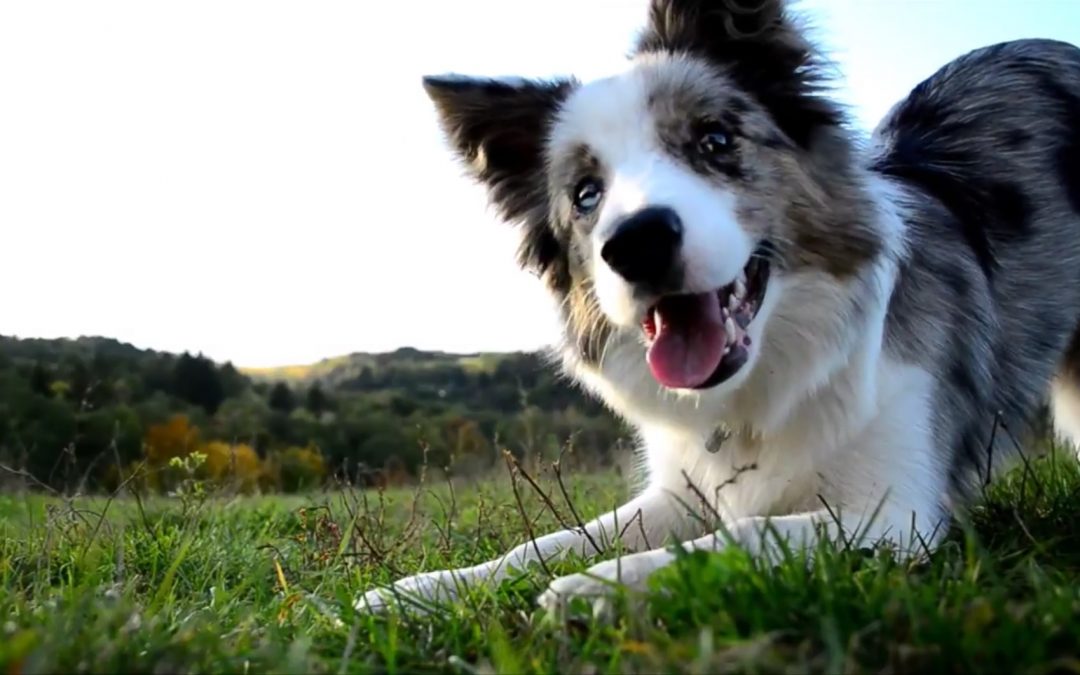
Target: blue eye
587,196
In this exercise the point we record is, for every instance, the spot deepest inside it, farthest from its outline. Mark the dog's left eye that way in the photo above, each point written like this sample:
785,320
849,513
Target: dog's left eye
714,141
587,195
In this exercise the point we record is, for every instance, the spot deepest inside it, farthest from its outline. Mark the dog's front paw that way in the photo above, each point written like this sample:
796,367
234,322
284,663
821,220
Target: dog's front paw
602,581
419,593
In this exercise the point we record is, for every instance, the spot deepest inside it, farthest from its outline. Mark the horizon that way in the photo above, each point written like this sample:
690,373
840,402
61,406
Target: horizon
280,366
266,186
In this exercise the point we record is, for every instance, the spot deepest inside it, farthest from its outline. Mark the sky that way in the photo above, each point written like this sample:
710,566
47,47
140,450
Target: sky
265,181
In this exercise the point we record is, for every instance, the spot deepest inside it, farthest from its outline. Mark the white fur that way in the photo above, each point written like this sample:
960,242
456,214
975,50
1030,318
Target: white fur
612,117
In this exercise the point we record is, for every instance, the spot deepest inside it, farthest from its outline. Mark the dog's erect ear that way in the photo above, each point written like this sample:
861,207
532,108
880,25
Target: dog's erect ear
757,43
499,128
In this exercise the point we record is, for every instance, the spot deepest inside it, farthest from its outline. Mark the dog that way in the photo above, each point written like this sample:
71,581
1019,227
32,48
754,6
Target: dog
815,335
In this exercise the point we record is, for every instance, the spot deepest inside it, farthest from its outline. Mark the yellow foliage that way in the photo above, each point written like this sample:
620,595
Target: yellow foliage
310,458
60,389
469,440
294,468
225,463
175,438
237,465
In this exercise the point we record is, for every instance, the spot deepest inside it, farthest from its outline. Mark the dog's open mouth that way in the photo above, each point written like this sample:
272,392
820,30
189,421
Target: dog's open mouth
699,340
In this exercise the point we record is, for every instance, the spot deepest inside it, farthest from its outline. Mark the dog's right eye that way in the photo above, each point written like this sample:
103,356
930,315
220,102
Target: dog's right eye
713,141
587,196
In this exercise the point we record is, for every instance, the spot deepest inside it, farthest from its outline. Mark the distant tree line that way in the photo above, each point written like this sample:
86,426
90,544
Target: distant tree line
93,412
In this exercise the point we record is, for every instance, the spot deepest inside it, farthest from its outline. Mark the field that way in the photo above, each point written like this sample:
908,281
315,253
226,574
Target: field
212,583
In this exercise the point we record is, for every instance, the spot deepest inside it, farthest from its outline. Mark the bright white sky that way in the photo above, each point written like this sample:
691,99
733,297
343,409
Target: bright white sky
265,182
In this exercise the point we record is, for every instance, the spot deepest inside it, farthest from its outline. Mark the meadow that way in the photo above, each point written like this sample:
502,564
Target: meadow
203,581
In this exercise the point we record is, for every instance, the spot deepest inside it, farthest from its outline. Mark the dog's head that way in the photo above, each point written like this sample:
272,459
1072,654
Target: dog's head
666,204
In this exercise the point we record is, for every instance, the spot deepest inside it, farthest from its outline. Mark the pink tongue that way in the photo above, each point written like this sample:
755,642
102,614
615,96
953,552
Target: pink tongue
690,340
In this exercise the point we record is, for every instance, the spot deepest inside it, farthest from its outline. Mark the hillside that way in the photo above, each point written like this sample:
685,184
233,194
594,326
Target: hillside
340,370
92,408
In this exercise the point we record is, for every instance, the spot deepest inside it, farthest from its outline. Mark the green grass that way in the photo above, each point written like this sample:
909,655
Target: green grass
266,585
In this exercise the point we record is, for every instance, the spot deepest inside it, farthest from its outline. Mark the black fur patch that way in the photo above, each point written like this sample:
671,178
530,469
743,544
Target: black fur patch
1018,138
729,165
956,281
990,212
962,378
1068,159
756,45
684,113
499,128
977,438
973,451
1068,156
1069,166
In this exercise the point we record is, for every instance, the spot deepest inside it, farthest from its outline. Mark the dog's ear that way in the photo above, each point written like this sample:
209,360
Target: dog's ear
757,43
499,129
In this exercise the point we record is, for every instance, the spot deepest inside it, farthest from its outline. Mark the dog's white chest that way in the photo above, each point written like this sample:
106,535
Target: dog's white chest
740,477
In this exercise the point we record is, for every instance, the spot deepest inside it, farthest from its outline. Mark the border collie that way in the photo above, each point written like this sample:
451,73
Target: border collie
814,336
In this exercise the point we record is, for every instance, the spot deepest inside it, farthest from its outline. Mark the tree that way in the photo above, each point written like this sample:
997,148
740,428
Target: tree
233,381
81,382
317,402
196,380
296,469
402,406
175,438
235,463
281,398
40,380
39,429
242,418
100,432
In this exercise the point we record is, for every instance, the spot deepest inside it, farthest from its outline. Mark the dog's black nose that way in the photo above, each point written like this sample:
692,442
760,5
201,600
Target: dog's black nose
645,246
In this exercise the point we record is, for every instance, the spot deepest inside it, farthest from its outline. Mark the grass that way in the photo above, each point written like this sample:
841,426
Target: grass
266,584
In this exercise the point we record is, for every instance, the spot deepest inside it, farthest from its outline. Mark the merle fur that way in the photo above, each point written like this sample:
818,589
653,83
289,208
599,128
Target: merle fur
759,47
988,297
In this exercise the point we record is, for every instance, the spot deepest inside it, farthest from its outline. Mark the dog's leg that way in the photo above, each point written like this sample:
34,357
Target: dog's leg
641,523
760,537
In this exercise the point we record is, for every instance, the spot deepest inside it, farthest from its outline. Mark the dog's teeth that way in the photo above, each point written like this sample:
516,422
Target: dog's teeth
740,289
732,303
729,326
